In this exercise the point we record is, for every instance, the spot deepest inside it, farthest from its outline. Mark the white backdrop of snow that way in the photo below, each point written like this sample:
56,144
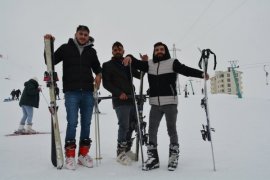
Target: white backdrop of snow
241,141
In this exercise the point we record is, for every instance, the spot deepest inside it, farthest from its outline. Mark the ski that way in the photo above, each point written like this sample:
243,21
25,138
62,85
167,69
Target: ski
16,133
140,99
50,77
207,129
140,129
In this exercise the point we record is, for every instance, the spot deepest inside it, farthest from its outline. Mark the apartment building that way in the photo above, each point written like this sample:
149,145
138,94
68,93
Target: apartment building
223,82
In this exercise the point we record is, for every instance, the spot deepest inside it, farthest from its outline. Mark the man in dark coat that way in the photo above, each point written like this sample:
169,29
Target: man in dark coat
29,100
79,60
117,79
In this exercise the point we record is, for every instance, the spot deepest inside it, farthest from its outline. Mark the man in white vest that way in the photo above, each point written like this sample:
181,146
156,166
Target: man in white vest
162,75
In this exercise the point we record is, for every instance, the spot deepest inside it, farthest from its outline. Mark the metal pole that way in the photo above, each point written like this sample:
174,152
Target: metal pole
174,49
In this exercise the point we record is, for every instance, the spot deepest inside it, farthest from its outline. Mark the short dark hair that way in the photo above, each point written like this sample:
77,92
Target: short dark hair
83,28
159,44
117,44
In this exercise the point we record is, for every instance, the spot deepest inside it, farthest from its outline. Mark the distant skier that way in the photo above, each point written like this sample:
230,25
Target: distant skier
18,93
29,100
13,93
186,91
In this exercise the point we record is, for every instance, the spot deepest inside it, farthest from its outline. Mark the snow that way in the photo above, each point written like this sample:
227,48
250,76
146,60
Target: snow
241,141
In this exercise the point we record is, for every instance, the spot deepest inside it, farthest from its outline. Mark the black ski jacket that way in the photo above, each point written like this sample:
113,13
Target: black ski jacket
30,95
77,68
117,79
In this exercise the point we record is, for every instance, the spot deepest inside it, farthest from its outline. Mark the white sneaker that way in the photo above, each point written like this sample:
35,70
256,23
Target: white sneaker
70,163
131,155
122,158
86,161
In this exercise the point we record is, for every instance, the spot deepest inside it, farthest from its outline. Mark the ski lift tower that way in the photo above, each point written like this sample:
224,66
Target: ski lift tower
174,49
190,81
233,66
266,73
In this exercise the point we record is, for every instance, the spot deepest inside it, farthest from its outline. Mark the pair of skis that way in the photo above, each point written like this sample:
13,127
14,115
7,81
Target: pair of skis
141,136
50,76
207,129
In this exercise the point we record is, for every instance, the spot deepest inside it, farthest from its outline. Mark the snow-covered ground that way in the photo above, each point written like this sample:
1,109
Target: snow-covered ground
241,142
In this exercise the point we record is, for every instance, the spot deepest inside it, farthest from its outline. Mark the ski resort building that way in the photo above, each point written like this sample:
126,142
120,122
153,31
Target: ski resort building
227,82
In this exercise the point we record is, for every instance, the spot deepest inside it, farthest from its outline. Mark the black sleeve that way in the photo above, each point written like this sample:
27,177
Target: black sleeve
185,70
136,73
59,54
137,64
96,64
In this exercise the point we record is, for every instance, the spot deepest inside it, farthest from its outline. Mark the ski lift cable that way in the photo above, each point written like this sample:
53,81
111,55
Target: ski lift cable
191,27
222,20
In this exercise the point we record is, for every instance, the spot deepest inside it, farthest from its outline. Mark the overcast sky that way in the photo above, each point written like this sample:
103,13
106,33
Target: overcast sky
233,29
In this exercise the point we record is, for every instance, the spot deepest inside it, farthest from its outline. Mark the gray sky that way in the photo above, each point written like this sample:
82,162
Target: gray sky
233,29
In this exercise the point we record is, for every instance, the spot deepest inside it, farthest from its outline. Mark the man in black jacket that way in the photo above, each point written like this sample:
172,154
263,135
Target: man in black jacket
117,79
162,74
79,62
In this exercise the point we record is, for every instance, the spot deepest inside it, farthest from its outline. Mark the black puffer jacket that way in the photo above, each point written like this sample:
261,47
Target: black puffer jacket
117,80
30,95
77,68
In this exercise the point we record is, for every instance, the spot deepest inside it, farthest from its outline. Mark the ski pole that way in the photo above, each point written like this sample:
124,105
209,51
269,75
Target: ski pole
206,132
45,99
97,132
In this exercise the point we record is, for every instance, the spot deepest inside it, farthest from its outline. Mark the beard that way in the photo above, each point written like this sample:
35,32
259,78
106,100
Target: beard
118,56
160,56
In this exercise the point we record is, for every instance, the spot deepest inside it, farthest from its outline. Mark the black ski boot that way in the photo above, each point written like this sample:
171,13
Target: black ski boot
153,161
173,157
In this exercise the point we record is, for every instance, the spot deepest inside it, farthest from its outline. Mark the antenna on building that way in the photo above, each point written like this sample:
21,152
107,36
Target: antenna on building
233,67
266,73
174,49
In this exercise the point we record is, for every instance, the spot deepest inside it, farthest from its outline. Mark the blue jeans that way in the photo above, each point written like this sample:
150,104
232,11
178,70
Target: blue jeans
27,115
126,122
75,100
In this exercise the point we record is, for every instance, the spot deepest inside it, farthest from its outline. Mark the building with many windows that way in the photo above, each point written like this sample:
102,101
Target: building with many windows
223,82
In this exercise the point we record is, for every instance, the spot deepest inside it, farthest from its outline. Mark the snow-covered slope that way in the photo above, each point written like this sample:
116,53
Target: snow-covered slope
241,142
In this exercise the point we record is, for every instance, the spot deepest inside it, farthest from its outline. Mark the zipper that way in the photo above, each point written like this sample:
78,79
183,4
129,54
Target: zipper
158,84
172,91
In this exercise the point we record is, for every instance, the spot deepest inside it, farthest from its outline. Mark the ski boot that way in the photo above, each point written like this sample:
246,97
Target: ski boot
84,159
29,130
70,148
129,152
173,157
122,157
153,160
20,130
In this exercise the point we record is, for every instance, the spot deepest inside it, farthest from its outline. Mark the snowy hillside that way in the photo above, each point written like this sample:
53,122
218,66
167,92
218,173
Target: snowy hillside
241,141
